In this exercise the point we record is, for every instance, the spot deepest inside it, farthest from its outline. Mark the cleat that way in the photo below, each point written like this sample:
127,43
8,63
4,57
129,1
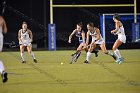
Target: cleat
96,53
35,60
119,60
72,54
23,62
4,77
85,62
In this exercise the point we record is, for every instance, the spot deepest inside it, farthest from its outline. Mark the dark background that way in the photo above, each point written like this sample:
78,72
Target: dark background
32,11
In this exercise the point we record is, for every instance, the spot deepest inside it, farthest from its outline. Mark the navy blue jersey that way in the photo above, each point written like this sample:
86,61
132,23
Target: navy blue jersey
79,35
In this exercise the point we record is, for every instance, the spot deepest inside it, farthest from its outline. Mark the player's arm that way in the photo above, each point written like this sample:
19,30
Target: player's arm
116,28
83,36
70,37
31,35
4,27
19,36
98,34
87,39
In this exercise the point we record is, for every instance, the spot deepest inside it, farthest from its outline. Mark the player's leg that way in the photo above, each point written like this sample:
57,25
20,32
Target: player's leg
3,72
116,51
79,50
92,46
29,49
22,53
104,50
96,50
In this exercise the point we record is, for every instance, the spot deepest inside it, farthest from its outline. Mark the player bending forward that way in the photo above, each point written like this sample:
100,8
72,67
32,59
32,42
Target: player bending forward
81,36
25,38
94,32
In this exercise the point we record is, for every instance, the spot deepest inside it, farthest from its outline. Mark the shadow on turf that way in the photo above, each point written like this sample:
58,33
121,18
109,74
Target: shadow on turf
129,82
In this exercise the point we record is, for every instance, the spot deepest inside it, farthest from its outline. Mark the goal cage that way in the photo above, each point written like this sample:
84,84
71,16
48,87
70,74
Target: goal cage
132,30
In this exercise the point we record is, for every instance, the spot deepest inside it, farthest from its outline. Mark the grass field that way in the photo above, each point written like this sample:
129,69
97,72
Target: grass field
102,75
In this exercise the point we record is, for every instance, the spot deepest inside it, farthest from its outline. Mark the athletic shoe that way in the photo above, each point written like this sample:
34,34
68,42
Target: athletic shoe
23,62
96,53
73,54
119,60
4,77
85,62
35,60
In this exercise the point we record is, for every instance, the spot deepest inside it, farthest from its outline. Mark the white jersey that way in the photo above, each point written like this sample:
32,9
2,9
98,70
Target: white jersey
121,34
100,41
1,39
0,29
25,38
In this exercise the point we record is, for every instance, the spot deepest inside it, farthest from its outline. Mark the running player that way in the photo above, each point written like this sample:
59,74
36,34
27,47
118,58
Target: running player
3,29
97,39
119,30
25,38
81,36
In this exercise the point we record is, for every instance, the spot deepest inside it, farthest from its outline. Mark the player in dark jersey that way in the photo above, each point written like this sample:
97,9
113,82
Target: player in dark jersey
81,36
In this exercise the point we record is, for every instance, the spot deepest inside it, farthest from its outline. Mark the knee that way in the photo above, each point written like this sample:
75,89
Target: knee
21,51
29,52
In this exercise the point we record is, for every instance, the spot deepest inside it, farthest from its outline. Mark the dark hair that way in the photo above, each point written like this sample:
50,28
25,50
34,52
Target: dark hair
91,24
116,16
24,22
80,24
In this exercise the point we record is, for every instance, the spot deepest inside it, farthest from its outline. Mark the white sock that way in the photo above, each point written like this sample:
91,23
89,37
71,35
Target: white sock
117,53
88,56
22,56
32,55
109,53
1,67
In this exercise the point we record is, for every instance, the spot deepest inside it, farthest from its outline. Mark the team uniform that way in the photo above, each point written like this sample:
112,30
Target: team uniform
97,42
26,42
122,37
93,35
121,34
25,38
1,39
79,35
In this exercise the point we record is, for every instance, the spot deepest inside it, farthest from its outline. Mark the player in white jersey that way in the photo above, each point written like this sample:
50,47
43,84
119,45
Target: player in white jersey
25,38
81,36
119,30
97,39
3,29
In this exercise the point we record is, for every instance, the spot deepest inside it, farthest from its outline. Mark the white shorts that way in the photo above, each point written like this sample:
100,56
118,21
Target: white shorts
100,41
25,43
122,38
1,42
